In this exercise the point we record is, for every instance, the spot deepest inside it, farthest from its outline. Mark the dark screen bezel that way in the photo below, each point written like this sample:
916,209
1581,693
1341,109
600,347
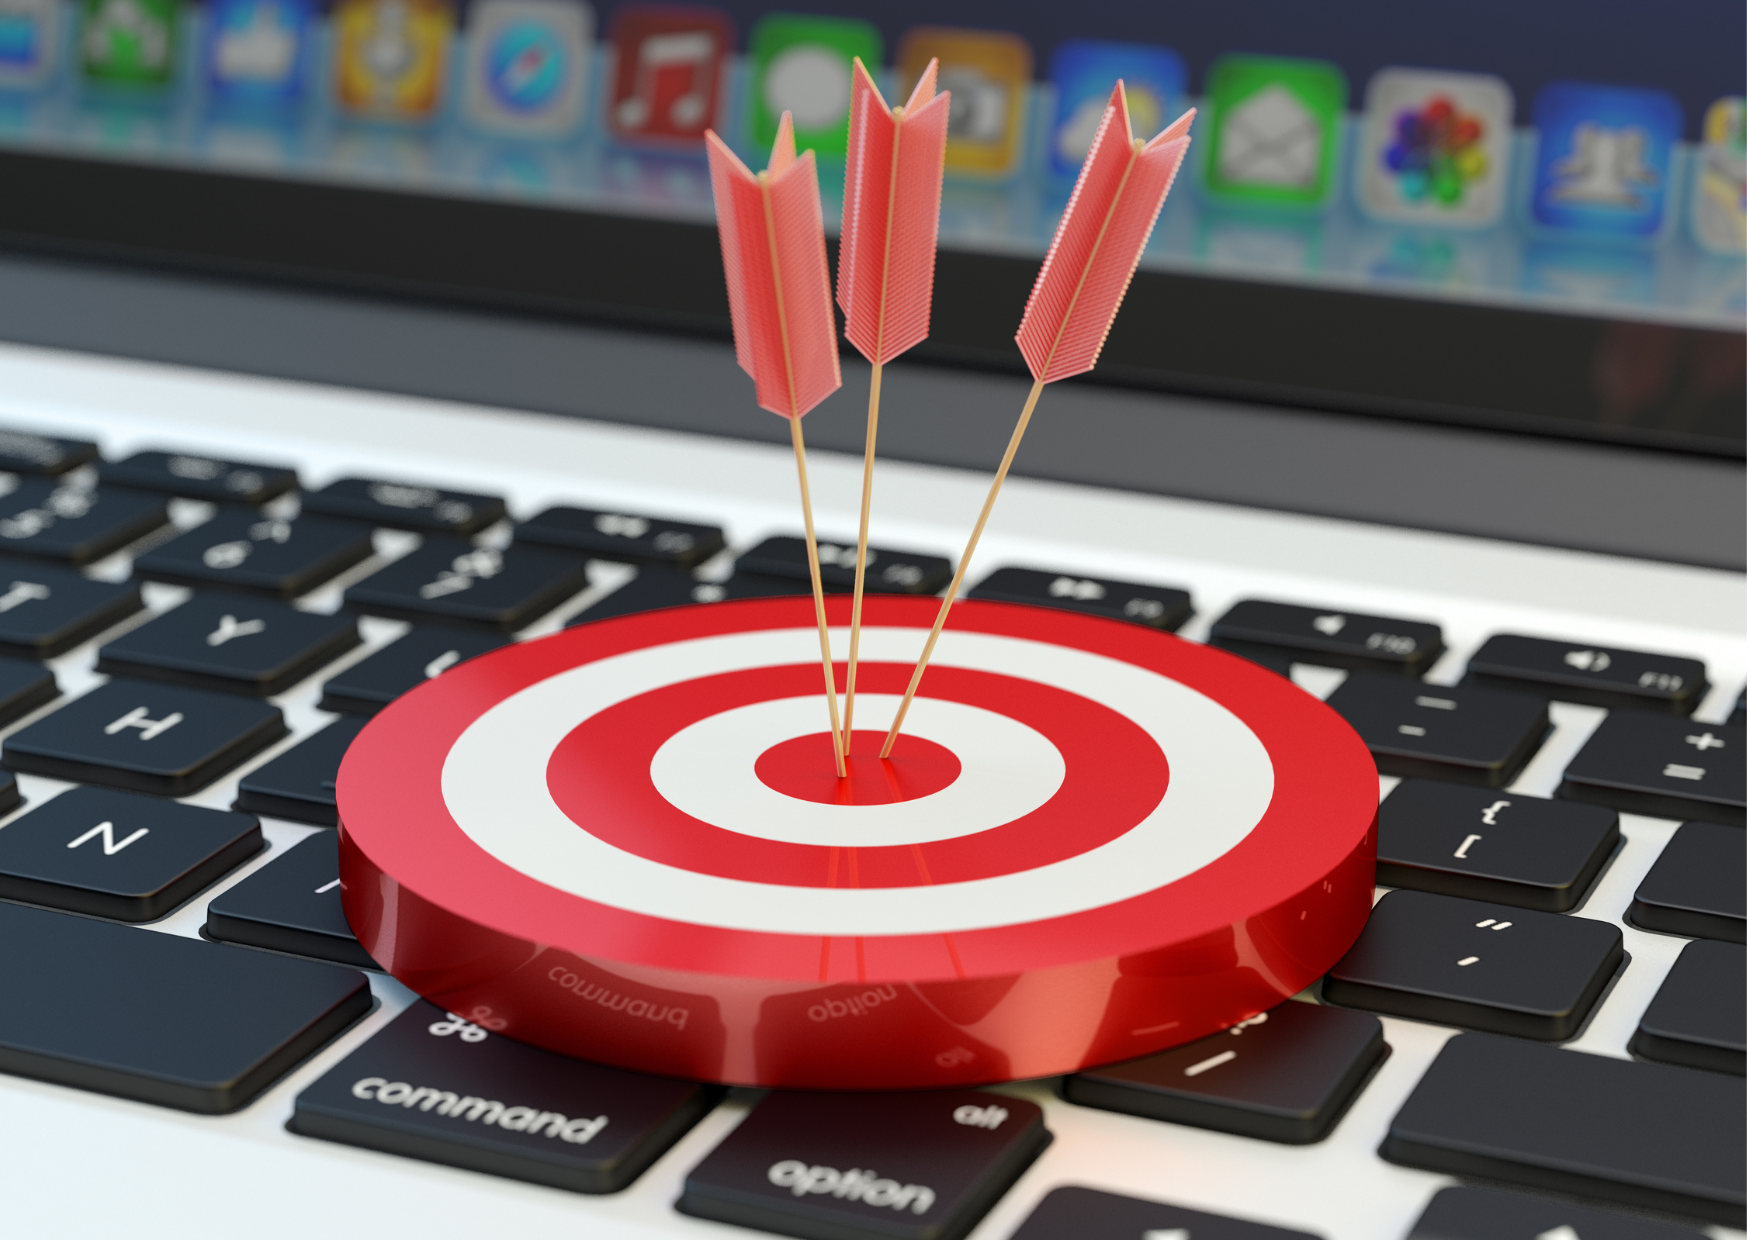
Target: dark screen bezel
1452,362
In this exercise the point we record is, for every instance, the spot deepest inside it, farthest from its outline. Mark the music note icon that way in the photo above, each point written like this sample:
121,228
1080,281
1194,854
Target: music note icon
668,72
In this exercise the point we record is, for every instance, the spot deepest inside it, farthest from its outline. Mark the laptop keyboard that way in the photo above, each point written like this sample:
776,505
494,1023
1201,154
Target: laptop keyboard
1502,816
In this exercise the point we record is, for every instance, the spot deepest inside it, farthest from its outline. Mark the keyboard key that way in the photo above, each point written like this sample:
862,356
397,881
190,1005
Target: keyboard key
243,549
623,536
199,477
1636,1134
1467,1213
10,797
651,589
292,905
1670,768
403,506
1329,638
1480,966
1076,1213
1159,607
24,686
452,580
65,521
434,1086
889,571
421,654
161,1018
1739,712
1458,840
1467,735
1596,675
231,643
298,785
144,737
24,453
1696,1019
1695,886
889,1165
46,610
758,585
119,854
1283,1075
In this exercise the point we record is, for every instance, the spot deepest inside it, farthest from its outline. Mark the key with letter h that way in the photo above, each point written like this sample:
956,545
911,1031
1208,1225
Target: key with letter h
145,737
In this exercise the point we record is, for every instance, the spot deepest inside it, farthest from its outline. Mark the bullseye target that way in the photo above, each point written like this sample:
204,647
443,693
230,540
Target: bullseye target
628,842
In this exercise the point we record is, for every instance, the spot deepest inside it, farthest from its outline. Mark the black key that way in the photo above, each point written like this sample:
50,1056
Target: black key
889,571
1484,845
231,643
291,904
24,453
1469,735
144,737
893,1165
1480,966
1467,1213
1597,675
24,686
10,797
157,1017
1076,1213
452,580
422,654
63,521
1637,1134
757,585
1671,768
405,506
1329,638
119,854
650,590
1739,712
434,1086
1283,1075
299,784
243,549
199,477
46,610
1159,607
1695,888
634,538
1696,1019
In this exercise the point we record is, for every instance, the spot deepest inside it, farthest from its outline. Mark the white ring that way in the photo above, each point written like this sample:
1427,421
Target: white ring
1006,770
494,783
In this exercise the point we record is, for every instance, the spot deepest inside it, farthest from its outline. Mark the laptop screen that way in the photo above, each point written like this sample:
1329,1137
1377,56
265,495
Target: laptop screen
1567,159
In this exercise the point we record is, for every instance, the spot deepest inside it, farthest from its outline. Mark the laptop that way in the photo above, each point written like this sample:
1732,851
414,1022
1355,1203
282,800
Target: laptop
345,345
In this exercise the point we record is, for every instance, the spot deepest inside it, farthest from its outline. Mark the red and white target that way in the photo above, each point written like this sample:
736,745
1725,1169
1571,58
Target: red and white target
627,842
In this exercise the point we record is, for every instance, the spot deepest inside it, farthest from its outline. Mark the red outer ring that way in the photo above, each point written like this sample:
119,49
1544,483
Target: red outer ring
880,1012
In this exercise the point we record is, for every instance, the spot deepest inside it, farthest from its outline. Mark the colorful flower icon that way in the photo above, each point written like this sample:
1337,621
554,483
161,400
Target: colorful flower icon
1437,152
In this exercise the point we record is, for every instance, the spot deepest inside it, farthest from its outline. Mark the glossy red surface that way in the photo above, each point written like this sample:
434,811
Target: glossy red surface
1033,997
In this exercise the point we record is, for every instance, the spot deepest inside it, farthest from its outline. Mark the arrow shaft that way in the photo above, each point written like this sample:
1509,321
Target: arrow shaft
1001,474
825,650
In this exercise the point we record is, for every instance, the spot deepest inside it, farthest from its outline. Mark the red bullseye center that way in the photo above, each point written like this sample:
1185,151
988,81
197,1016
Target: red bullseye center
802,767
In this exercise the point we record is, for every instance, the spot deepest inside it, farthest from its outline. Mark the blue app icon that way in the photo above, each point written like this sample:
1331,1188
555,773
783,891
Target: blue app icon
1083,72
258,51
1603,156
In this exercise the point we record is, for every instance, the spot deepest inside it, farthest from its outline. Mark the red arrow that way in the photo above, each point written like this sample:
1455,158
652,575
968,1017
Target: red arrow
779,297
1080,287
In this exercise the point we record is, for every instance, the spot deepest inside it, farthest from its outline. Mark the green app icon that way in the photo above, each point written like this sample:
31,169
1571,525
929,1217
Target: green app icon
1275,130
801,65
128,42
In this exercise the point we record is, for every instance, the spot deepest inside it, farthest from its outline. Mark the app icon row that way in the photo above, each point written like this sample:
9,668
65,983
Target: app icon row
1430,148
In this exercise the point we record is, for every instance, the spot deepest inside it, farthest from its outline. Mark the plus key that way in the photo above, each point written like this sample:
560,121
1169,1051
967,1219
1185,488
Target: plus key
1670,768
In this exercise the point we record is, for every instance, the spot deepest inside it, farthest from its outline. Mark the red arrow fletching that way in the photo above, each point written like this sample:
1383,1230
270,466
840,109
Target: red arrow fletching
892,215
779,284
1093,256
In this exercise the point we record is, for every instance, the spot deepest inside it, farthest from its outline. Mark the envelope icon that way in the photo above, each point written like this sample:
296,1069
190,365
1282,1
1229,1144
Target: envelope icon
1272,139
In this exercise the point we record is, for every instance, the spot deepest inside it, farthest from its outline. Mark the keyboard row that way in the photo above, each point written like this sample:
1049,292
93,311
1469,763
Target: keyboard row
86,1008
